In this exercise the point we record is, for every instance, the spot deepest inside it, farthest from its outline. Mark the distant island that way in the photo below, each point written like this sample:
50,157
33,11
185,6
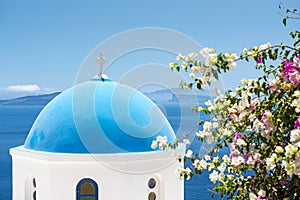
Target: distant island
174,95
42,99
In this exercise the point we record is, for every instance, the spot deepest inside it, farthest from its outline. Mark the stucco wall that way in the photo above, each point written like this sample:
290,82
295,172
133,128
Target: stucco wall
118,176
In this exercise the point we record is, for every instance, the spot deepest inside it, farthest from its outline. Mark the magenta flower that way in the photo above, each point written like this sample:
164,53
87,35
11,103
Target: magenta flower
238,135
292,72
285,182
253,104
267,120
297,123
259,59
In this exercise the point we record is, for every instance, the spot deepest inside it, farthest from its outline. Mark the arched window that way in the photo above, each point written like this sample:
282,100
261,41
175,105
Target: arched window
87,189
153,188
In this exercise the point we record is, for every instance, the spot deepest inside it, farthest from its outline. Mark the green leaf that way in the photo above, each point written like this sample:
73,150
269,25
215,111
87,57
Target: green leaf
215,74
199,86
284,21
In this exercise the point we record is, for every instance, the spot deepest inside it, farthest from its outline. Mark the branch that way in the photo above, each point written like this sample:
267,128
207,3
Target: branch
275,46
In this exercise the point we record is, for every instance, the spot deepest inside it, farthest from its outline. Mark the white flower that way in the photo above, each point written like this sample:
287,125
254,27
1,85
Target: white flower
225,158
188,173
271,162
296,103
201,134
241,142
295,137
210,139
191,56
172,65
184,66
196,69
252,196
184,173
288,167
161,138
221,176
212,59
154,144
263,146
207,157
250,54
257,125
160,141
279,149
215,124
203,164
244,81
262,193
209,55
214,176
236,161
189,154
207,126
232,94
204,52
257,156
250,160
264,46
272,84
231,56
290,150
296,94
180,57
197,164
208,103
216,159
222,167
186,141
232,65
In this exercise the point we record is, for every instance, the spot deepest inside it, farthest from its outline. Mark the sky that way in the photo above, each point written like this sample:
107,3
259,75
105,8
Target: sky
45,45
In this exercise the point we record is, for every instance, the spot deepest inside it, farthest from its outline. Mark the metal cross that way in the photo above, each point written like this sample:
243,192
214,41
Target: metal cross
101,61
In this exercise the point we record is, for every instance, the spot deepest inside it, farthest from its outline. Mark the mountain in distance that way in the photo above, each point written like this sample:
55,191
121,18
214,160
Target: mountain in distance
42,99
173,95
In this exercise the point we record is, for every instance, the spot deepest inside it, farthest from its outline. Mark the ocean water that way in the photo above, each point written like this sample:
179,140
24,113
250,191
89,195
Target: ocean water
16,121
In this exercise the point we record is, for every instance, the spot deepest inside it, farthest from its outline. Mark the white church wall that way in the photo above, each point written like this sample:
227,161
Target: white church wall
118,176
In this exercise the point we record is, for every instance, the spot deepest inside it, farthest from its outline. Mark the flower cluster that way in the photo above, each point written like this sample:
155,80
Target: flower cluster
291,70
204,72
258,124
161,142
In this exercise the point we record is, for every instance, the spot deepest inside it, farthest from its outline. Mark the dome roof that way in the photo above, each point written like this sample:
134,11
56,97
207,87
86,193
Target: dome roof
98,116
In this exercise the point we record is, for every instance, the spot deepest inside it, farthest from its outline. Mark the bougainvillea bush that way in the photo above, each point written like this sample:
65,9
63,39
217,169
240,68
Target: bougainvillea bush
259,122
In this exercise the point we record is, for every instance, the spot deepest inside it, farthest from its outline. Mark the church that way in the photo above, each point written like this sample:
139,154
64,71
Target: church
93,142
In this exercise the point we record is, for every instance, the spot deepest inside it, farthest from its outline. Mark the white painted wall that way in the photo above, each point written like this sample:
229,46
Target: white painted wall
119,176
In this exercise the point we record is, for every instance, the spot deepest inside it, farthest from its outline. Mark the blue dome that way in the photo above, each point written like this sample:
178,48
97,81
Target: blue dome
98,117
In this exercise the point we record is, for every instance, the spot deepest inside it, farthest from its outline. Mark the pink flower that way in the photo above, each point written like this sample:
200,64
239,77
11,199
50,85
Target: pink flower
297,123
238,135
273,84
285,182
292,71
259,59
253,104
267,120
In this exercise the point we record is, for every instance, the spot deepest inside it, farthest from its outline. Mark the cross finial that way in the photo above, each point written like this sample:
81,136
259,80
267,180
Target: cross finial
101,61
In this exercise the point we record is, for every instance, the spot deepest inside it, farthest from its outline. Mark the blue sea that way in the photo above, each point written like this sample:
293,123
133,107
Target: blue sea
16,121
